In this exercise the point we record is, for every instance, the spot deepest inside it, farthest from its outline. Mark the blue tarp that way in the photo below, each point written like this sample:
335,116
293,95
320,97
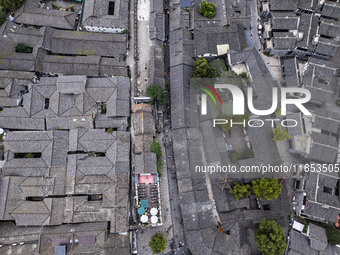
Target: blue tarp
60,250
141,210
144,203
185,3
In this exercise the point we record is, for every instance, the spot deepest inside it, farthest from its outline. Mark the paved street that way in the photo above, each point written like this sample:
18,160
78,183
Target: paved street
144,45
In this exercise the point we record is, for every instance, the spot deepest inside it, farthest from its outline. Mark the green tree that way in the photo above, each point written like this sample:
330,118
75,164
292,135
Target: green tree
157,93
270,238
248,153
3,15
268,188
207,9
159,165
333,235
243,75
156,148
23,48
158,243
11,5
280,134
240,190
203,69
337,102
29,155
234,156
278,112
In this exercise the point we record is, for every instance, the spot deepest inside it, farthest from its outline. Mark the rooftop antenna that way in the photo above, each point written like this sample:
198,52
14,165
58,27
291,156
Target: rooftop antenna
224,182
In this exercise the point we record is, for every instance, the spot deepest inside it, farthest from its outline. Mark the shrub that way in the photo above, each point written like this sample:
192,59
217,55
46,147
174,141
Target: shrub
203,69
11,5
3,16
333,235
29,155
337,102
158,243
157,93
234,156
280,134
156,148
103,109
305,227
159,165
248,153
240,190
110,130
243,75
270,238
207,9
278,112
23,48
268,188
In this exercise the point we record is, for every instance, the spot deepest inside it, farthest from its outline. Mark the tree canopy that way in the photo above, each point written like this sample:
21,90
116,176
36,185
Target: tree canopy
23,48
157,93
156,148
280,134
268,188
270,238
240,190
3,15
203,69
11,5
248,153
234,156
158,243
207,9
333,235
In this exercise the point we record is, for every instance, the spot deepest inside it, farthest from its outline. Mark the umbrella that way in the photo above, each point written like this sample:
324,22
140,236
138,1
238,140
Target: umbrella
153,211
144,218
141,210
154,219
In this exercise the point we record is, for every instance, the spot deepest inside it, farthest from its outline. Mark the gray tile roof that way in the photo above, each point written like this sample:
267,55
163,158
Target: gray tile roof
327,123
207,39
298,130
291,72
285,23
59,172
72,101
331,9
33,15
87,43
145,162
323,148
284,40
317,236
330,28
327,47
71,84
96,14
277,5
300,244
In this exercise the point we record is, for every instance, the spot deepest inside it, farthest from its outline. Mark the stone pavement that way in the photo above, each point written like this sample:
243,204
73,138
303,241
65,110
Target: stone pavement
144,43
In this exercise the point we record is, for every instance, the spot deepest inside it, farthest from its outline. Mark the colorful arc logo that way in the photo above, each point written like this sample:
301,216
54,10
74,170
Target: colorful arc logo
209,93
